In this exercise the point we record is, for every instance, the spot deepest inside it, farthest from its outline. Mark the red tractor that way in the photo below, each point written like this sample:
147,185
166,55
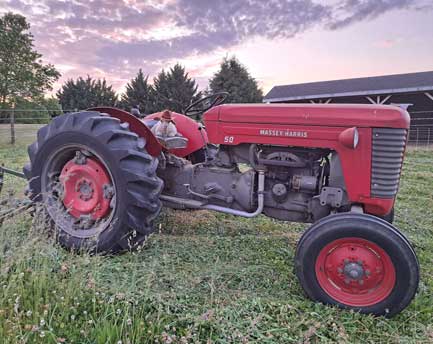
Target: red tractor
103,176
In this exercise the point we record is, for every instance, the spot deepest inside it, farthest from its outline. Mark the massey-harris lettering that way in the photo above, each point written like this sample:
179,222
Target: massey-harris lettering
283,133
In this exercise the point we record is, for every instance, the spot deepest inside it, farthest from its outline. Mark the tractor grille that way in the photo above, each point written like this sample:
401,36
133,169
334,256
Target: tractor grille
387,160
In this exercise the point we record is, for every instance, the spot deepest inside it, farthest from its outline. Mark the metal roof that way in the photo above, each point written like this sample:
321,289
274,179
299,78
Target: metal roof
387,84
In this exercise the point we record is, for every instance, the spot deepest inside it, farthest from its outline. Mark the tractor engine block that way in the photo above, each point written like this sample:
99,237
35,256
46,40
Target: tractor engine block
293,183
208,183
293,178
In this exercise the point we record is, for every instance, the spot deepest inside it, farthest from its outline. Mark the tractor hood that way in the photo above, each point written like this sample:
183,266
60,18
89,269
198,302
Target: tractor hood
335,115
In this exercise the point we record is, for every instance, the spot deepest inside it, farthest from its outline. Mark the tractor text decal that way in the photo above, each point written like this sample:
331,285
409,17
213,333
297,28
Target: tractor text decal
283,133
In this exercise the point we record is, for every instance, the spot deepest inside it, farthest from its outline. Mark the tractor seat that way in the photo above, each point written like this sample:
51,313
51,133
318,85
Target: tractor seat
173,142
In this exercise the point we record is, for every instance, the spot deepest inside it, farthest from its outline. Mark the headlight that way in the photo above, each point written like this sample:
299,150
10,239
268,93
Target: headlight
349,138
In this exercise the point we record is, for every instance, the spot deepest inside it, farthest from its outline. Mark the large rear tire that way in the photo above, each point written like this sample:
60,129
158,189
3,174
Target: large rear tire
358,262
96,180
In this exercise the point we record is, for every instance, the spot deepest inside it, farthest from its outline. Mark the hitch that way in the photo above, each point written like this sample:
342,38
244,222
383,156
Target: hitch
4,170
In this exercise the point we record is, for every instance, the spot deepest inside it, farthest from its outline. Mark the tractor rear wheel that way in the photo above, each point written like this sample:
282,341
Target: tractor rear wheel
96,180
358,262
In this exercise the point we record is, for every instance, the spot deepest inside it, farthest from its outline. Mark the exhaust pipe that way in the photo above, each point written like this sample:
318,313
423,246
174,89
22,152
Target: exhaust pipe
192,204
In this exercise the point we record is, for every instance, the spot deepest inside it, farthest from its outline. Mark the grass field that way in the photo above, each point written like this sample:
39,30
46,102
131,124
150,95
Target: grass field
202,278
24,133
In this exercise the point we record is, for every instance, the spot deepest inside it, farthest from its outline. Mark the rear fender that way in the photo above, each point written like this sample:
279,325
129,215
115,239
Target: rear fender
153,146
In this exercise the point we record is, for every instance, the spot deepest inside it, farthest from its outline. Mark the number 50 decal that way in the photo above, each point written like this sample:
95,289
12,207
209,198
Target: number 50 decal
229,139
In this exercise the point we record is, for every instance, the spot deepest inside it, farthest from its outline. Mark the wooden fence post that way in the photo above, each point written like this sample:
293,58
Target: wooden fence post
13,125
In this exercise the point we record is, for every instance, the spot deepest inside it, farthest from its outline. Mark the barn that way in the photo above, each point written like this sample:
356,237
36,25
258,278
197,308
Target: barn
413,91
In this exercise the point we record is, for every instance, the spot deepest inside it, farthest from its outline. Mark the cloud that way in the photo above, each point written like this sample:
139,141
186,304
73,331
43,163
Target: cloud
215,24
351,11
243,19
114,38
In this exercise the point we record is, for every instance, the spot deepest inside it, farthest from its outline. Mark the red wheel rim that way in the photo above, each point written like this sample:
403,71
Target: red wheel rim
87,188
355,272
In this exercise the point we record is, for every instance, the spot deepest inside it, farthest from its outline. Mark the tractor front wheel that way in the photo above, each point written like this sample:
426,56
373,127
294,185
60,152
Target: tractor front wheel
96,181
358,262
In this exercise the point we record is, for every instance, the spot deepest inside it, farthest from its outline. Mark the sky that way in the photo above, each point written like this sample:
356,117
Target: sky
279,41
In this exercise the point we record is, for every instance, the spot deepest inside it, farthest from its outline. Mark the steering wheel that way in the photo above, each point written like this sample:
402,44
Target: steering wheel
202,105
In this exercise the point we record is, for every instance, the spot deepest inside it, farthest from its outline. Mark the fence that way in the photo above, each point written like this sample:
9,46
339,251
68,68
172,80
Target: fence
421,128
20,126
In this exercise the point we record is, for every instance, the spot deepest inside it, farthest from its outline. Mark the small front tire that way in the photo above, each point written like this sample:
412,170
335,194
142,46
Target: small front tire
359,262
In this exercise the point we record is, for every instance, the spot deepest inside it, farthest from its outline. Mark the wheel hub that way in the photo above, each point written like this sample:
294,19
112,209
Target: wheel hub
84,183
85,189
355,271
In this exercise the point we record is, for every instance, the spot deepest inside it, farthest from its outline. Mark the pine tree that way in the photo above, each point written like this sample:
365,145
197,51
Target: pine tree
174,89
235,79
85,93
139,94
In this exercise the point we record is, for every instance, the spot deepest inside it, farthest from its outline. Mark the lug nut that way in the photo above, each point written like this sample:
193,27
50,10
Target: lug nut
108,191
84,222
80,159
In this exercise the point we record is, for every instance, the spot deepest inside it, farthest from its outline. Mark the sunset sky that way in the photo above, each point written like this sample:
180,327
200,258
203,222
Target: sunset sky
281,42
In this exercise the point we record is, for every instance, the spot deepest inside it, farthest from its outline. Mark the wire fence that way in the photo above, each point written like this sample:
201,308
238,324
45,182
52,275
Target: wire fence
21,125
421,128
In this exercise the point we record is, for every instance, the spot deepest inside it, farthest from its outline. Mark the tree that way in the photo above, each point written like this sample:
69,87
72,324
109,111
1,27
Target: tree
174,89
53,106
138,93
85,93
235,79
36,111
22,73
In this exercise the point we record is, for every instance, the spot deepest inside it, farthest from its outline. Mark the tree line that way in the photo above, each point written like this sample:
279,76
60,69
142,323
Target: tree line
172,89
25,80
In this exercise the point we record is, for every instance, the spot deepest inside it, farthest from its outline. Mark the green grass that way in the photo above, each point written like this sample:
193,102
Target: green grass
24,133
203,277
